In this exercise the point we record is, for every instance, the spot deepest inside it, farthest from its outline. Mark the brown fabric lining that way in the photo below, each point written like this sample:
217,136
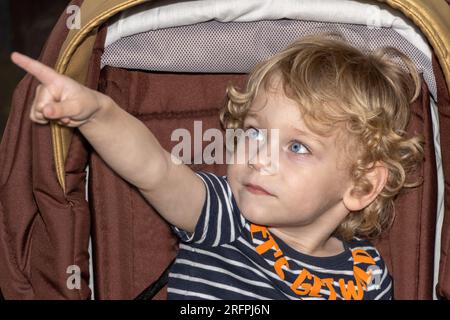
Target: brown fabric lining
42,233
408,247
443,287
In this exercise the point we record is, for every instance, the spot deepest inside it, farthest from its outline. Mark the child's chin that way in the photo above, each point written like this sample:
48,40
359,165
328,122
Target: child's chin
259,217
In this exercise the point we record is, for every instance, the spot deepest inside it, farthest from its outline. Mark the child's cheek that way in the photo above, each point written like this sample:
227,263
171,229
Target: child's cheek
299,159
236,175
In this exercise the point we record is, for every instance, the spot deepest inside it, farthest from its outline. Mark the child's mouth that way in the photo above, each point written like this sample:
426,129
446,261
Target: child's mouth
257,190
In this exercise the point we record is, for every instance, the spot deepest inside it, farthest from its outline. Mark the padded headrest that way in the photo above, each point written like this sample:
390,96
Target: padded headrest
230,36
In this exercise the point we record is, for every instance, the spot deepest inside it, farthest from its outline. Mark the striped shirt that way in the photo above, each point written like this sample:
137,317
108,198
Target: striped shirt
228,257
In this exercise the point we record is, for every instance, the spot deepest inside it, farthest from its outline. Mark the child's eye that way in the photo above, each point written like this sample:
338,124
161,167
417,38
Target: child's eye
254,134
298,148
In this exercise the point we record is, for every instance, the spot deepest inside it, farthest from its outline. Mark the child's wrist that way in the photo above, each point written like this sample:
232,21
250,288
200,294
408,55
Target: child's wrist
105,106
103,109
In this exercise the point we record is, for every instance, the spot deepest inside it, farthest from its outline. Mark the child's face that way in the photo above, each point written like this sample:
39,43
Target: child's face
306,185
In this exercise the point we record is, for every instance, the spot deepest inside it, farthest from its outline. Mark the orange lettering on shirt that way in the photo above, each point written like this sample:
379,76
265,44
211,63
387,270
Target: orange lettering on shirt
361,276
254,228
329,283
299,287
267,245
278,264
361,256
350,291
315,290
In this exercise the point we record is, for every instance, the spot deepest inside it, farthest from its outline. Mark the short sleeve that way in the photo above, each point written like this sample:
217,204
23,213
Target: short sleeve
382,282
381,285
220,221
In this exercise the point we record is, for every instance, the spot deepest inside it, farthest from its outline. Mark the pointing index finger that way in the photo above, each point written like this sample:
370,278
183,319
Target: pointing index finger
43,73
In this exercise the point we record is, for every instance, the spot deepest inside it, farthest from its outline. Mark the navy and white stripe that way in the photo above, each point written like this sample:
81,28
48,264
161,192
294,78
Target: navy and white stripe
219,260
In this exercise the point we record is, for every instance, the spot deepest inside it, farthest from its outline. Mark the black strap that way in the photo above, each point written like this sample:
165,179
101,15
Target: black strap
157,285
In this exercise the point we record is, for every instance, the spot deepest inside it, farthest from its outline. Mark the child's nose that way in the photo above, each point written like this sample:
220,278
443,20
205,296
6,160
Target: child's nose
264,160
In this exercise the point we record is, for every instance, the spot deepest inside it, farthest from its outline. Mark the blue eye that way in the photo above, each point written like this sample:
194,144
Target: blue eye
254,134
298,148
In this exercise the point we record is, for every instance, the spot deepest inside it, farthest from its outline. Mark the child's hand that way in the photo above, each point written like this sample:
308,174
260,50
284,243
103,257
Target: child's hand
58,97
122,141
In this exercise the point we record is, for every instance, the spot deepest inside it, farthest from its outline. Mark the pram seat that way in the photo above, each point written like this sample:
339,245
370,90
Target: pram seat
131,245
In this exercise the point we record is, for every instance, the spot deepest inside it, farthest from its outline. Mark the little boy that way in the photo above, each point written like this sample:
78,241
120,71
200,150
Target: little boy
286,231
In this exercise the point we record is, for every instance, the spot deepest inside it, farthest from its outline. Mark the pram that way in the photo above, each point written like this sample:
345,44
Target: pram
65,215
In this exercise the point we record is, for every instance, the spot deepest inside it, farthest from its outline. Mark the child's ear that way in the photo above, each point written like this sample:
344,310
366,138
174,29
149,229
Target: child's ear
354,201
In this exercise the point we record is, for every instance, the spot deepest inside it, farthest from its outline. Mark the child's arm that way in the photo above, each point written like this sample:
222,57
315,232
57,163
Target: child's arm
134,153
123,141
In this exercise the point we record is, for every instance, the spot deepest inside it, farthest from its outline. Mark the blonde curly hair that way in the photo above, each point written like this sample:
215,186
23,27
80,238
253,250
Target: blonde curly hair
365,94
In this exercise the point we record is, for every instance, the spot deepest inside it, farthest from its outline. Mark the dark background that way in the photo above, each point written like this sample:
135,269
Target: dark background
24,26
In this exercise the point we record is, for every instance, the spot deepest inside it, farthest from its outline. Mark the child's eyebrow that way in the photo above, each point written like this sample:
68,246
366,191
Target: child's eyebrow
309,135
299,131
